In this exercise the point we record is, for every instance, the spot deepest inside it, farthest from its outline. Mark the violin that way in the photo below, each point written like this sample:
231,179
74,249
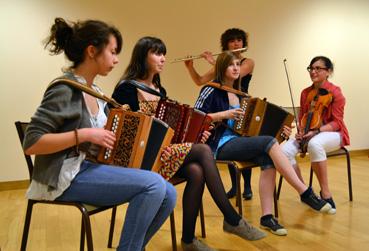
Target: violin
318,100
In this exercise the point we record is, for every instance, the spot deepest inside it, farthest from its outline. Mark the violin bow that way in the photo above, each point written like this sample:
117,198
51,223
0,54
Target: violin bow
290,89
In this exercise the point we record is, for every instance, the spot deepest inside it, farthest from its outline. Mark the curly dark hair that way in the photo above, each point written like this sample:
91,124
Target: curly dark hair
230,34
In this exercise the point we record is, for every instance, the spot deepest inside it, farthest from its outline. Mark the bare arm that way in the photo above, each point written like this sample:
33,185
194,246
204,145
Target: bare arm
55,142
228,114
247,67
196,77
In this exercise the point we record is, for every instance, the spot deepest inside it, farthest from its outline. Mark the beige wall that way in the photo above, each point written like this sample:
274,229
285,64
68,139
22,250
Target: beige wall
296,30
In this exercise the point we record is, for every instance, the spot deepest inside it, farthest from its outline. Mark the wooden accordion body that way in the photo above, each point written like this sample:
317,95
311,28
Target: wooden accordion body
188,123
262,118
139,140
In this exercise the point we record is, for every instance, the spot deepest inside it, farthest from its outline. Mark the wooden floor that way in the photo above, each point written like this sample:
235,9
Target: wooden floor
58,228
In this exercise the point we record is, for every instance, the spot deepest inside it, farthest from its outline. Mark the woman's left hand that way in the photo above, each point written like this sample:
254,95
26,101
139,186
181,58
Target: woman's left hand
286,132
205,136
310,134
165,155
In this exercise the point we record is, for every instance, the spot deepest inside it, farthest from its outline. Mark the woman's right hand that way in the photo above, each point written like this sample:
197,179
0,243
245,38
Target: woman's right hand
188,63
208,56
98,136
234,113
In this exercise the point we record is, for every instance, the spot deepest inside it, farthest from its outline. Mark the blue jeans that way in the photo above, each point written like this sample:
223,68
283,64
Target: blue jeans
253,149
151,198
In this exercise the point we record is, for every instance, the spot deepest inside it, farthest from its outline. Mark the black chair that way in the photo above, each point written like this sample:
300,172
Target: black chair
86,210
239,166
339,152
177,181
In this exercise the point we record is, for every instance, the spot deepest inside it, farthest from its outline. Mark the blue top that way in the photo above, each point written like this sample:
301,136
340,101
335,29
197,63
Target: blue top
228,134
212,100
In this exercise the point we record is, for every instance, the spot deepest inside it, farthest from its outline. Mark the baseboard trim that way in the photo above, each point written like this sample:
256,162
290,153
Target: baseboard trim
13,185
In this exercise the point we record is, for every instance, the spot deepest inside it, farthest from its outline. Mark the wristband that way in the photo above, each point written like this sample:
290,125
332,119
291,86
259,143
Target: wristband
77,140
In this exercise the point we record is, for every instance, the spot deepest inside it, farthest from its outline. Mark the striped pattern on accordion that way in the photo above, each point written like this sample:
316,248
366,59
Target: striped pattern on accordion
139,140
188,123
262,118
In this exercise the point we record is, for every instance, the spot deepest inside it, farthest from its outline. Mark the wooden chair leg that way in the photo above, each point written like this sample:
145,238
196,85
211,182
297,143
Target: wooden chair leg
112,224
82,239
279,186
87,228
27,223
311,177
238,191
348,160
202,221
173,232
275,203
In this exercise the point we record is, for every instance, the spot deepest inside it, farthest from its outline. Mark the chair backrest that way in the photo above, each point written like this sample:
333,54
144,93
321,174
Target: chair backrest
21,129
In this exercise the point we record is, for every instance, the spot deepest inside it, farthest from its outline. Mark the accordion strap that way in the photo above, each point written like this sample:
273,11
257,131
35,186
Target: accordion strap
143,87
227,89
85,89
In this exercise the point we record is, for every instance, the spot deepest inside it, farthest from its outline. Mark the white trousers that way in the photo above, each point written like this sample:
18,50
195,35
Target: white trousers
317,148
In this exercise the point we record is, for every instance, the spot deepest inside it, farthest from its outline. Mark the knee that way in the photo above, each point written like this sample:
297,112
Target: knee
314,147
203,148
195,174
156,186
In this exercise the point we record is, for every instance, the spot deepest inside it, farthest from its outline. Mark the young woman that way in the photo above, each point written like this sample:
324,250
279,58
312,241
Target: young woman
224,106
332,133
67,118
194,162
231,39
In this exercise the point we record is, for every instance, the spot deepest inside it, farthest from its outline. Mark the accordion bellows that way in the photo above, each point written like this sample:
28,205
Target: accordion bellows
139,140
262,118
188,123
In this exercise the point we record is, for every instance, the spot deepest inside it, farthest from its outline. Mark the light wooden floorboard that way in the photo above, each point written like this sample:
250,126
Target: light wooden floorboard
58,228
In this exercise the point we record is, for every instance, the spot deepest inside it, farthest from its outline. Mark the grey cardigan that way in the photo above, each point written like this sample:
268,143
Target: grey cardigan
62,109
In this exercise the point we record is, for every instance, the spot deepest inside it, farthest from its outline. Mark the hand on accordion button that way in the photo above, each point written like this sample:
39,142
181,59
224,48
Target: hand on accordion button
165,155
287,131
205,136
235,114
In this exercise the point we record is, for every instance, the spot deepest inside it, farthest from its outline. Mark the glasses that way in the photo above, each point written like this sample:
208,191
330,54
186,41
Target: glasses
317,69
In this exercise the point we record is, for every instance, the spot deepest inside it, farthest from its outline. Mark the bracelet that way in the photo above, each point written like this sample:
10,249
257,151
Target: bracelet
77,140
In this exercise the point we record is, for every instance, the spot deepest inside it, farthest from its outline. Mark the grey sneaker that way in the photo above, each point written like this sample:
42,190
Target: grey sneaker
244,230
196,245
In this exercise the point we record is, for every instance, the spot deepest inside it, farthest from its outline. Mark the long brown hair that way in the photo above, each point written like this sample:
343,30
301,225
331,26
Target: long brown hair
223,61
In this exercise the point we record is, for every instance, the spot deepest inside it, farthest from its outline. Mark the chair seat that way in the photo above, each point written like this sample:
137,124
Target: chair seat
340,151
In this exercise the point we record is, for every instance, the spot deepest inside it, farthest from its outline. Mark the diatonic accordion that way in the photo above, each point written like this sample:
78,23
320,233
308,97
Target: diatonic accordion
140,140
262,118
188,123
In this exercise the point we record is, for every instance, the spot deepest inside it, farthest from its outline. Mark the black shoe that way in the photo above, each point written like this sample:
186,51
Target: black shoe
247,195
331,202
231,193
273,226
314,202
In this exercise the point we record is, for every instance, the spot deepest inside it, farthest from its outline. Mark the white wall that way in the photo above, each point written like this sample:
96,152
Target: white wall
291,29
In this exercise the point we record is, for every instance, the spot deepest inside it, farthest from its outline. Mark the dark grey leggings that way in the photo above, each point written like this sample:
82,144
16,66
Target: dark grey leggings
253,149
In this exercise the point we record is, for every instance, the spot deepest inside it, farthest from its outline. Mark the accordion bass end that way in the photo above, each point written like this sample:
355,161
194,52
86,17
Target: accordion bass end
139,140
262,118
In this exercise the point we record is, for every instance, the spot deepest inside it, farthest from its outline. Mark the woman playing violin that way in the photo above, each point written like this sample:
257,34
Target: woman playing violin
326,132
